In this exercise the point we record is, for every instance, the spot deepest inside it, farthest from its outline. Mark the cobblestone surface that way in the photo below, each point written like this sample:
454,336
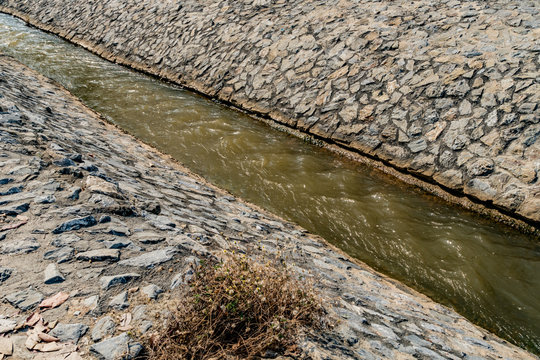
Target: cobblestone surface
447,90
91,215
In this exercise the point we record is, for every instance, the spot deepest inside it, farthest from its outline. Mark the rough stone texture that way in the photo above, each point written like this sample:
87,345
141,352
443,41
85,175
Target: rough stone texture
430,87
41,125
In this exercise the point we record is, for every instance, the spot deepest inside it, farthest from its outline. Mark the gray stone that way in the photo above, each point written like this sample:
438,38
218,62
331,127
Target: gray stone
120,301
152,291
75,224
69,332
14,210
481,167
99,255
417,145
65,239
119,347
106,282
60,255
103,327
25,246
45,199
152,258
5,273
24,299
52,275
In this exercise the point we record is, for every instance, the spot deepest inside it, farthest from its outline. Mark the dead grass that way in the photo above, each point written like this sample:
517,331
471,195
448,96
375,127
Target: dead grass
237,309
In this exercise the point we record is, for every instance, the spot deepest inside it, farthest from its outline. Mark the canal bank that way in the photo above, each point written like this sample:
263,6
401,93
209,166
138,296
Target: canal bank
95,213
442,95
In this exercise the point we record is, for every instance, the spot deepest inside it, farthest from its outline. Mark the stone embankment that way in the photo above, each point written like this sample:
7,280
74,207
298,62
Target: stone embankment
447,91
107,227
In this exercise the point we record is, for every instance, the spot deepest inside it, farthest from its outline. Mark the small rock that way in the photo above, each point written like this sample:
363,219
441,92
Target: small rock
20,246
25,299
145,326
75,224
99,255
52,275
118,230
61,255
5,273
69,332
107,282
152,291
91,302
121,346
65,239
120,301
104,326
150,238
481,167
45,199
152,258
104,219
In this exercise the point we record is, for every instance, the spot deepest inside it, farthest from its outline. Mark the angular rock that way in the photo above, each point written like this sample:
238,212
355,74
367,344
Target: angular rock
99,255
20,246
24,299
5,273
60,255
152,258
103,327
152,291
119,347
75,224
52,275
15,209
120,301
107,282
69,332
65,239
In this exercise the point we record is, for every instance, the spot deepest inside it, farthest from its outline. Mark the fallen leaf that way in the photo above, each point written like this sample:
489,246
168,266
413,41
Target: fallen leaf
33,319
23,220
31,341
6,346
47,338
54,301
48,347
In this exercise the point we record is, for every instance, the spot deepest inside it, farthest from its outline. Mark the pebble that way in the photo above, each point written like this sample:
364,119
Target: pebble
121,346
69,332
151,259
103,327
52,275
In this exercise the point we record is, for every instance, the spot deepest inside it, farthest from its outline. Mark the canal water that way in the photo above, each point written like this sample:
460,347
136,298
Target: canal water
486,271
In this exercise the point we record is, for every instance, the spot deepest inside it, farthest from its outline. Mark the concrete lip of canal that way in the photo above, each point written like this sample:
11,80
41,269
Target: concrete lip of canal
487,271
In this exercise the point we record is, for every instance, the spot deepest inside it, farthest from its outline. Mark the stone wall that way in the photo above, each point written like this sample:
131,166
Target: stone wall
114,227
445,90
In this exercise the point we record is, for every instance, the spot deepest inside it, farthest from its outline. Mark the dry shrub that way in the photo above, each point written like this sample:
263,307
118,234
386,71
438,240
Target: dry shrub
237,309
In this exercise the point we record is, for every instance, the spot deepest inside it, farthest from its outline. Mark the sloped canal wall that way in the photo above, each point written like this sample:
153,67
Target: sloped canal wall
445,91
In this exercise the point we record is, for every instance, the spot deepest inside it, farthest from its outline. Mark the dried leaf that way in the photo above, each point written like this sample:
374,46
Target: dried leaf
48,347
46,337
23,220
31,341
33,319
54,301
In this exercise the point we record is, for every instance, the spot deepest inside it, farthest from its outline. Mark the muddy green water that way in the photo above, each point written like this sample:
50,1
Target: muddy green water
487,272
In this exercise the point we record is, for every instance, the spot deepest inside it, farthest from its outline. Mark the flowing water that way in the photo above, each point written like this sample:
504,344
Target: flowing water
486,271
